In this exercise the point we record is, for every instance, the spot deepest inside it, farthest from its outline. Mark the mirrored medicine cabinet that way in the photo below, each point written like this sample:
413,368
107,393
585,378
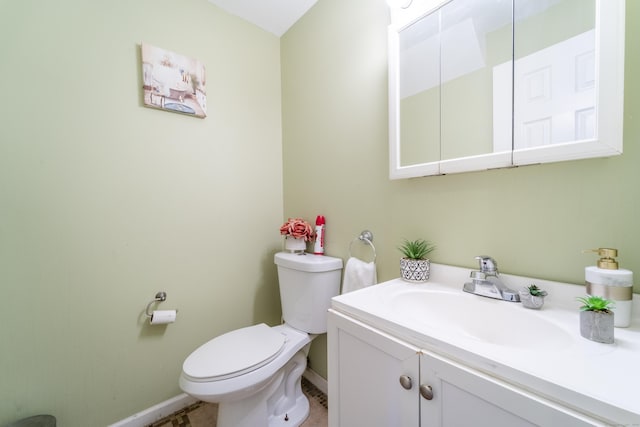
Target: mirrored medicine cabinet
484,84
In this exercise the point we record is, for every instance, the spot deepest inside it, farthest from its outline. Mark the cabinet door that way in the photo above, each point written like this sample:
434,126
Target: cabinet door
365,367
465,397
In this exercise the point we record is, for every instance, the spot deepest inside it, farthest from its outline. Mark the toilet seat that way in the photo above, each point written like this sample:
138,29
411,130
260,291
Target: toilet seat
234,353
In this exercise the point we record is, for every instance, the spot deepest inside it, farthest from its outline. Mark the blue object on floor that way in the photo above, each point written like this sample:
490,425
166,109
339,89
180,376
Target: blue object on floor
35,421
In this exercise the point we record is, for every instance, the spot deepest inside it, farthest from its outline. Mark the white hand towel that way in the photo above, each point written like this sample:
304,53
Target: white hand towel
358,274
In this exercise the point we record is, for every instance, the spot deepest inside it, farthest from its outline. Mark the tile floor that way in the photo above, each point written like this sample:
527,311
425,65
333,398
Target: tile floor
203,414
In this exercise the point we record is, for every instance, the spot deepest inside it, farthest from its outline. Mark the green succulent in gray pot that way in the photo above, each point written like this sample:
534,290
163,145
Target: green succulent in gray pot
532,297
415,267
597,319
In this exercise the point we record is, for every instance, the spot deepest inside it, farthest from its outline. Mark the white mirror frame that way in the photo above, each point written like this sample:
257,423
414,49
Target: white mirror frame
610,38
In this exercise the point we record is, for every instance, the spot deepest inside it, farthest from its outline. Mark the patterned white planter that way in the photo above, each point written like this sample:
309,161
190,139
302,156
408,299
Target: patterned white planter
415,270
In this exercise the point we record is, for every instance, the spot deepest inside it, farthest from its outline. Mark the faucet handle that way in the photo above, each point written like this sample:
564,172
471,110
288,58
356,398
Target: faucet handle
478,275
487,264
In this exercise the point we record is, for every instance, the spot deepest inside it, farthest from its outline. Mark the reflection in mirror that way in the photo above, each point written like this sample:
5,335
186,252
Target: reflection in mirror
445,64
475,36
483,84
419,53
554,73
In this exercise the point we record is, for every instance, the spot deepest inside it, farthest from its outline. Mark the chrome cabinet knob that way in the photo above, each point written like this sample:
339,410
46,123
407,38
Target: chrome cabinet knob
426,391
405,382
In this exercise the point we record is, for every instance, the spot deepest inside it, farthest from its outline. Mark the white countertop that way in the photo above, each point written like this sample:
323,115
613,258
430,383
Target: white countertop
602,380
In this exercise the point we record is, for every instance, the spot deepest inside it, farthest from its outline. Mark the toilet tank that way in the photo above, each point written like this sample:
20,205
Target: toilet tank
307,284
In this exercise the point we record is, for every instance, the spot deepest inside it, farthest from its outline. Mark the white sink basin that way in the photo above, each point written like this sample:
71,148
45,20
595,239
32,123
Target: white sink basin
488,320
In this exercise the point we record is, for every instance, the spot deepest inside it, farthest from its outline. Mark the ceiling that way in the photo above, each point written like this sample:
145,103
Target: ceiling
275,16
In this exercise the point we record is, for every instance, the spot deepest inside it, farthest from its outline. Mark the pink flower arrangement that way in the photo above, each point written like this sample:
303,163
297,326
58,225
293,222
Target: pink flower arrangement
297,228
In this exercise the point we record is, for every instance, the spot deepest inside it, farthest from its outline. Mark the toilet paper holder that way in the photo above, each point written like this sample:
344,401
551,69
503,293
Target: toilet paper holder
160,296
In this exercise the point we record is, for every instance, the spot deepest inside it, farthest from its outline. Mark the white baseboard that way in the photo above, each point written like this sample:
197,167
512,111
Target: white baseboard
157,412
314,378
170,406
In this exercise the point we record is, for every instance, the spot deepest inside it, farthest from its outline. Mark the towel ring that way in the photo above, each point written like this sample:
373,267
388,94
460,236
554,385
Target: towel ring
367,237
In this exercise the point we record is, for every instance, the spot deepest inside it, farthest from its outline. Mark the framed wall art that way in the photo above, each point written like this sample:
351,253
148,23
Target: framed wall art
173,82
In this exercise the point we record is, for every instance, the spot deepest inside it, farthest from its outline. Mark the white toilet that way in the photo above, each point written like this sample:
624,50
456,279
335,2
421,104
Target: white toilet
254,373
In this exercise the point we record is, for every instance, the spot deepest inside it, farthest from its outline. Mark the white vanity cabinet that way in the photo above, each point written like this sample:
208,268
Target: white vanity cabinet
364,370
376,379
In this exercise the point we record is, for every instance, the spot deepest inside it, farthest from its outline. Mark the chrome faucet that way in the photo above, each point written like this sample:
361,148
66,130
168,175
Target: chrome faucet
486,282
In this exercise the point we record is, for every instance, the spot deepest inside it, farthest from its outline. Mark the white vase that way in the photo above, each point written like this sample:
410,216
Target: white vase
293,244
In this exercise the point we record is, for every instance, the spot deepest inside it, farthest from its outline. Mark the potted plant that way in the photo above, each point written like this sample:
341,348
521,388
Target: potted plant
596,319
415,266
532,297
297,233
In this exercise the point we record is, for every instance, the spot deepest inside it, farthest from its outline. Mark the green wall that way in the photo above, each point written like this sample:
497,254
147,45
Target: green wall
104,202
534,220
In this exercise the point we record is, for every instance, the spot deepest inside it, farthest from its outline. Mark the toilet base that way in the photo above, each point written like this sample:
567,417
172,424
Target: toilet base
280,403
294,417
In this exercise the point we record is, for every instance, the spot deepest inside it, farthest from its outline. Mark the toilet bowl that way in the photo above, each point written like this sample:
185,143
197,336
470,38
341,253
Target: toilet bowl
212,374
254,373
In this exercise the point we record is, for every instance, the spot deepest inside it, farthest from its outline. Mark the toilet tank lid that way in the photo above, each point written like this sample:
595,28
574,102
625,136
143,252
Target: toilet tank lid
307,262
